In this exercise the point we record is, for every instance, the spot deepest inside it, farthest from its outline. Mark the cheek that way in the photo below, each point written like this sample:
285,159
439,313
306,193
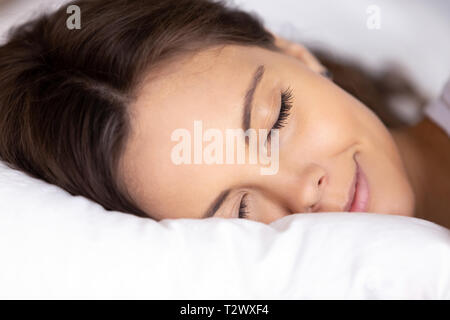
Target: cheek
329,121
390,189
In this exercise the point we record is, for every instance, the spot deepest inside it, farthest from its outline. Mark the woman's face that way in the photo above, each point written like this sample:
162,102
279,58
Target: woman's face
327,135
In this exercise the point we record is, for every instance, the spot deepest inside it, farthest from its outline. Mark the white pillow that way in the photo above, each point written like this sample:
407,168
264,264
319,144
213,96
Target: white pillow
54,245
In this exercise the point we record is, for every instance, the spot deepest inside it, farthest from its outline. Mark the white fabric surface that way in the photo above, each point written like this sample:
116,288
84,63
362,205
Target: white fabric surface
53,245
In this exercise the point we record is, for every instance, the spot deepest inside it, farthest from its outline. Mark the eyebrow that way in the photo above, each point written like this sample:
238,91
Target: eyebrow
248,102
248,99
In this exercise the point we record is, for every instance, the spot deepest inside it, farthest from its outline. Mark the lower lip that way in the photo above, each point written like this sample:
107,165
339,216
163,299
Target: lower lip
361,198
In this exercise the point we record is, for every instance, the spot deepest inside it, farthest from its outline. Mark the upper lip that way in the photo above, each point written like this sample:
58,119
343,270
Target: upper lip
352,191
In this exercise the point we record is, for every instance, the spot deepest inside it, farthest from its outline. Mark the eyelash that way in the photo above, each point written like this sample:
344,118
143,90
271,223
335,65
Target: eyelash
243,213
286,105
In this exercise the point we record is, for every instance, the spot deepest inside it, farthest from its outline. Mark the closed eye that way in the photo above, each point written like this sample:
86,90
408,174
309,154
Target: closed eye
243,213
286,105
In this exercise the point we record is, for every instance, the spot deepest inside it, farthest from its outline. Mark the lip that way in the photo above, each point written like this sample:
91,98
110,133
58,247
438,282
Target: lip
359,192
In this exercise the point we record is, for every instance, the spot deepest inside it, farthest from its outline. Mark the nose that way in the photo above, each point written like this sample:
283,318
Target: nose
308,190
313,193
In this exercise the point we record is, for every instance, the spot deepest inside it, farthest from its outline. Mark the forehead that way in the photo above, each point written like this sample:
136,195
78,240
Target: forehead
208,86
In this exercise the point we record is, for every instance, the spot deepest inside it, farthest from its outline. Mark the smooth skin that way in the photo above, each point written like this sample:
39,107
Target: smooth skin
327,131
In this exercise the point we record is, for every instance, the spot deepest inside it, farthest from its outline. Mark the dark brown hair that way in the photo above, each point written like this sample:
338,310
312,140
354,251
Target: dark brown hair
64,93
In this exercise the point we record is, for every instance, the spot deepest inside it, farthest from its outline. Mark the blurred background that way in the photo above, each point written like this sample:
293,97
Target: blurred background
392,55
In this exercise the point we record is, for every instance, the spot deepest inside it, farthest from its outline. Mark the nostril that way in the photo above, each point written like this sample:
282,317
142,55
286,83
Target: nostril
312,208
320,181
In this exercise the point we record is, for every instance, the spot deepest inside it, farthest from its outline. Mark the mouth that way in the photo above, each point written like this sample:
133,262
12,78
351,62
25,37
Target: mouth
359,192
